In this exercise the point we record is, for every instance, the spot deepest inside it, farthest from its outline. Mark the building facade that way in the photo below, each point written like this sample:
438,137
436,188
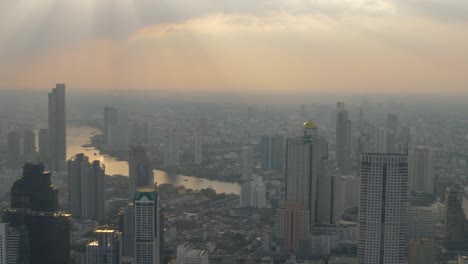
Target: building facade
57,129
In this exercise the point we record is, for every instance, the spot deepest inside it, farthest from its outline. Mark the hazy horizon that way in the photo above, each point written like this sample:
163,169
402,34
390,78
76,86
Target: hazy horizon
274,46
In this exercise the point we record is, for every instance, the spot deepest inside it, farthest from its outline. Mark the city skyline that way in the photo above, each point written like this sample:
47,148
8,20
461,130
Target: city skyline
373,46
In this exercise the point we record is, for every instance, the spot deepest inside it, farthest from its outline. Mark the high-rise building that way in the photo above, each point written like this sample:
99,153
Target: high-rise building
146,227
43,145
86,187
343,139
455,224
198,149
253,194
171,148
14,244
57,129
345,195
116,128
29,145
272,152
392,133
187,255
383,209
105,248
128,230
14,147
421,222
140,170
421,251
422,170
34,204
246,163
292,227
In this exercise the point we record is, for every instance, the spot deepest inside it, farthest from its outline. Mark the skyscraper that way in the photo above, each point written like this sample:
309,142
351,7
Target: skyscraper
383,209
272,152
343,139
392,133
43,145
140,170
422,170
14,244
105,248
147,227
246,163
34,203
29,145
57,128
253,194
171,148
128,230
86,187
455,224
116,128
198,145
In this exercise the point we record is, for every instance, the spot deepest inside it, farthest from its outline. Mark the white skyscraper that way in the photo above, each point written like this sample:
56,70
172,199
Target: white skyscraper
343,139
106,247
171,148
57,129
86,187
383,209
147,227
422,170
253,194
198,144
246,163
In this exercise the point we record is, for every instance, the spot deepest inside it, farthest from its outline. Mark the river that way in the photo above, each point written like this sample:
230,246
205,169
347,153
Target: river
77,136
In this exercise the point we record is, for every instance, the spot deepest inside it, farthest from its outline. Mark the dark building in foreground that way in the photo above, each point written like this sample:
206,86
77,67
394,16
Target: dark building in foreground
34,203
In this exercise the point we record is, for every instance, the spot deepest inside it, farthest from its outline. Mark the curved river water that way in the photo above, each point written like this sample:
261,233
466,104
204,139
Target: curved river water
79,136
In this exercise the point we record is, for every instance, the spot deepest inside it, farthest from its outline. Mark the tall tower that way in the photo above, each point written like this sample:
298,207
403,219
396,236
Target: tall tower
272,152
86,187
147,226
455,225
383,209
105,248
34,204
422,170
171,148
246,163
57,128
43,145
116,127
343,139
29,145
198,150
140,170
14,244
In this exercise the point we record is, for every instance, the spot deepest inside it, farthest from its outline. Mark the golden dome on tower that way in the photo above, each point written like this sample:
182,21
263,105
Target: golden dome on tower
310,125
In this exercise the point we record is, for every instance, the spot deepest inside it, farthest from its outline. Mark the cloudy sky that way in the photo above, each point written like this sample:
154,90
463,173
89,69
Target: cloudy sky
236,45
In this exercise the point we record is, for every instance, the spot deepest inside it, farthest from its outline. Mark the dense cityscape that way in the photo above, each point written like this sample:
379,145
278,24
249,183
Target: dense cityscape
127,180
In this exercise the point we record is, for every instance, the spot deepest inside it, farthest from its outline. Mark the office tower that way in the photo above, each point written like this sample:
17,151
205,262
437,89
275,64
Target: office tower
246,163
146,226
422,170
128,230
392,133
343,139
381,140
86,187
105,248
455,238
43,145
272,152
57,129
29,145
421,251
34,203
305,158
383,208
345,194
140,170
253,194
171,148
14,244
421,222
186,255
116,130
292,227
325,193
198,140
14,147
